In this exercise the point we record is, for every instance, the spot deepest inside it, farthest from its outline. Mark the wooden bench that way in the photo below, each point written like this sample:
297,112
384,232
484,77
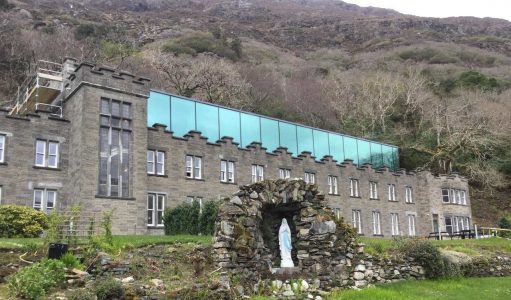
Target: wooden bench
438,235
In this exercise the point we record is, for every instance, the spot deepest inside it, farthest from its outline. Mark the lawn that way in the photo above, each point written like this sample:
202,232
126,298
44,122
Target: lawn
462,289
120,241
468,246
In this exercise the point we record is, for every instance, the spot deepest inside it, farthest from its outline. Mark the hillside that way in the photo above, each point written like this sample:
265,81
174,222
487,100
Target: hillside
438,88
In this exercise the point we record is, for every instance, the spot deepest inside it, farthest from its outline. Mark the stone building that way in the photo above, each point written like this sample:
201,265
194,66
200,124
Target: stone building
107,141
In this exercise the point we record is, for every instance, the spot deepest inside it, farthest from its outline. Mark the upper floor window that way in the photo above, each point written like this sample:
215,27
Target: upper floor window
392,192
356,220
354,188
257,173
44,199
445,196
454,196
309,177
376,223
46,153
394,223
332,185
2,148
411,225
227,171
193,167
373,190
114,148
155,162
284,173
155,207
463,195
408,194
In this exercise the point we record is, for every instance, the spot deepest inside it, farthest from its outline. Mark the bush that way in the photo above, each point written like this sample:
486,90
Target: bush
81,295
187,219
425,254
108,289
33,282
71,261
201,43
21,221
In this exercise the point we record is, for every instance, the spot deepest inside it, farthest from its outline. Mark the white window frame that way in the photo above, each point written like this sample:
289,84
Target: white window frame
392,192
160,162
408,194
463,195
193,167
46,154
156,209
284,173
354,191
376,223
257,173
192,199
332,185
226,171
452,196
43,206
151,159
356,220
2,148
309,177
446,195
394,224
373,190
412,225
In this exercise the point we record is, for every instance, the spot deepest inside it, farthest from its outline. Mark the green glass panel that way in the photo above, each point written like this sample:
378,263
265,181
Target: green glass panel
270,134
336,147
207,121
376,155
288,137
182,116
250,129
364,152
395,158
158,109
350,149
305,140
230,124
320,144
388,159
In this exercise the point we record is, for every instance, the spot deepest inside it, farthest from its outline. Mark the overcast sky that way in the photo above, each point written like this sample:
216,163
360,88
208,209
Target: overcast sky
444,8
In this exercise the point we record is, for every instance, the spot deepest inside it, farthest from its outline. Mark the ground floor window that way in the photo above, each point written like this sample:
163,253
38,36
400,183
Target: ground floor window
411,225
192,199
337,213
394,222
44,199
155,207
376,223
356,220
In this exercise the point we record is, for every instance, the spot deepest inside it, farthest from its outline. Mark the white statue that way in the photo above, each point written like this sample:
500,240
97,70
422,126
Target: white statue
285,245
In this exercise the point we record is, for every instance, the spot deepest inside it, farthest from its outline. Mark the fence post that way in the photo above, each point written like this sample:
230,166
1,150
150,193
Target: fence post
475,229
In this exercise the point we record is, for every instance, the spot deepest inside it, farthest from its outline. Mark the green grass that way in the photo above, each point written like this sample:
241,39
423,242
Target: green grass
120,241
462,289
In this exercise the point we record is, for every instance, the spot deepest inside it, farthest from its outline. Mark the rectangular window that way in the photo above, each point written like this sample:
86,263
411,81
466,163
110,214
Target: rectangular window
257,173
411,225
46,153
195,199
463,196
373,190
114,148
354,188
226,171
445,195
392,192
337,213
332,185
309,178
408,194
284,173
356,220
44,199
448,225
458,197
376,223
394,223
155,207
155,162
193,167
452,195
2,148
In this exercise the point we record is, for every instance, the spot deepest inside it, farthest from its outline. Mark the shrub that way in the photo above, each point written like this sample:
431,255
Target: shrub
108,289
71,261
21,221
81,295
204,42
425,254
186,218
33,282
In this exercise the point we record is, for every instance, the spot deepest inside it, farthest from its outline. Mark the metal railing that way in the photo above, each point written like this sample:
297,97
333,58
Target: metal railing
55,110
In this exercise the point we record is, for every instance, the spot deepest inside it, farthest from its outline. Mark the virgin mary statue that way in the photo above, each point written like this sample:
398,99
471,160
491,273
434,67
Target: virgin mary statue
285,245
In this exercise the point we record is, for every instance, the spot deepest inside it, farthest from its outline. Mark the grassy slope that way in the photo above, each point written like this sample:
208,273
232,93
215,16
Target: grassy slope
462,289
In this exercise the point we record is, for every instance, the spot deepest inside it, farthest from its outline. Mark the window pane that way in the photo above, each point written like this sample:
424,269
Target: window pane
305,141
105,106
40,146
350,149
126,110
207,121
160,203
105,121
376,155
158,109
2,147
116,108
320,144
52,161
182,116
336,147
38,198
150,201
270,133
250,130
388,159
39,160
50,199
364,152
230,124
288,137
395,158
53,148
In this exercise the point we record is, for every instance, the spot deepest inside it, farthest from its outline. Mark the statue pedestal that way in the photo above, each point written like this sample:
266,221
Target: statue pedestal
286,271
